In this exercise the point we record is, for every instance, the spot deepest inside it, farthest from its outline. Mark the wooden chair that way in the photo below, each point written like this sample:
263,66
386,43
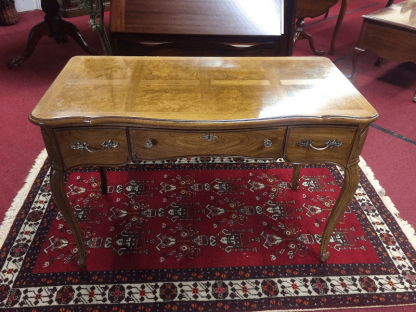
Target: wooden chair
312,9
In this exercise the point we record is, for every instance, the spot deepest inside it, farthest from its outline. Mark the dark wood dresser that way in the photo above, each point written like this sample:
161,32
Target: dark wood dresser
202,28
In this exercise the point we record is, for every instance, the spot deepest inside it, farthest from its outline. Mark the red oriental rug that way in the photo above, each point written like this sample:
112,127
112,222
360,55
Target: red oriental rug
204,234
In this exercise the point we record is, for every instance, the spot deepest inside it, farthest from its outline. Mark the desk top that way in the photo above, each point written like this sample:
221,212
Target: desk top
198,17
206,91
401,14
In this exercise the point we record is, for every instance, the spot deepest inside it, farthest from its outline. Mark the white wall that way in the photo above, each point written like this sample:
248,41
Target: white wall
27,5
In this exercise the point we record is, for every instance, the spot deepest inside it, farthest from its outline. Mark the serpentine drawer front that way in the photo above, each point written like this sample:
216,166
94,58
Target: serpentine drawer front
319,143
153,144
93,146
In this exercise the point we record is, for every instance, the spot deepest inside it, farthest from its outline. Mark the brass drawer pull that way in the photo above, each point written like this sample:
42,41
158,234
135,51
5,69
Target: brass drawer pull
209,137
328,144
267,143
85,146
148,144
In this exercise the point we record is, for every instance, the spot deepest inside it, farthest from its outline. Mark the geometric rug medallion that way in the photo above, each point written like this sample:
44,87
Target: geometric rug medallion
204,234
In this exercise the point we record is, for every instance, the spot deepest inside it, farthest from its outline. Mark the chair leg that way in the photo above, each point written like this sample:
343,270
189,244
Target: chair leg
389,3
301,34
326,14
338,25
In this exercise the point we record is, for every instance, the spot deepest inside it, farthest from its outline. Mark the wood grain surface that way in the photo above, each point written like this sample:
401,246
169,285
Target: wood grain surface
174,144
319,135
206,92
93,137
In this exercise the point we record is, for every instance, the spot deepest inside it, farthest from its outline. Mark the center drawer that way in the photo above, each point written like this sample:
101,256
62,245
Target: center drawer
155,144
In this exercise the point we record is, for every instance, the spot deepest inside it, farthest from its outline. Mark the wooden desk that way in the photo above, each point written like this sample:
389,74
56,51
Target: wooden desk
202,28
390,33
108,111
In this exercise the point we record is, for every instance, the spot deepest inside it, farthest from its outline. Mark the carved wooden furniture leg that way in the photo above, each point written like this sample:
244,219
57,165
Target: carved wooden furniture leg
389,3
338,25
301,34
352,175
295,176
59,195
326,14
103,177
53,26
355,54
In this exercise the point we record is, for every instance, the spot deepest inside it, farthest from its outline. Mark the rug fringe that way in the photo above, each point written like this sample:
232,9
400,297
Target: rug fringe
21,196
407,228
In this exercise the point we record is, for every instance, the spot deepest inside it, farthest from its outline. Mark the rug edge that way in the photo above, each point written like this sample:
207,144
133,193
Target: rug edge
406,227
338,308
19,199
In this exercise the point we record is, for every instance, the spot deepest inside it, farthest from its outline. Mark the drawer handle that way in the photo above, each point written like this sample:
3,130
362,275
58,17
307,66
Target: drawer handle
328,144
148,144
85,146
267,143
209,137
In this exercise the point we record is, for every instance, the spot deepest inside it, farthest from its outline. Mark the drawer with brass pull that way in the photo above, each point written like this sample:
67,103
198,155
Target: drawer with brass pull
315,143
154,144
93,146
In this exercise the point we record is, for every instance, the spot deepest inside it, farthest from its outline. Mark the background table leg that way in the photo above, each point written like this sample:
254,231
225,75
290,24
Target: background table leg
357,51
338,25
352,175
53,26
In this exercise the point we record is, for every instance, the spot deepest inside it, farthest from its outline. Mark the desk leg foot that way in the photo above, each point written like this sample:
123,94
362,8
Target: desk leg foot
324,256
61,200
352,175
295,176
81,264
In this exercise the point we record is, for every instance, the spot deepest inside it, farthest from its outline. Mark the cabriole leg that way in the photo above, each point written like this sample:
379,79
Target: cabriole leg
59,195
352,175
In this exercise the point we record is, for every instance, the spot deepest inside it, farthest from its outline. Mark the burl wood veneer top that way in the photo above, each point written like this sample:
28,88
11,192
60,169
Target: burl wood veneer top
197,17
172,90
401,14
